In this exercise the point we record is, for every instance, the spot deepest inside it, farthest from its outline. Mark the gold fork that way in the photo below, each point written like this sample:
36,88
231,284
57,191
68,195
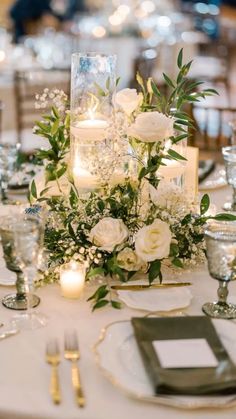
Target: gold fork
72,354
53,358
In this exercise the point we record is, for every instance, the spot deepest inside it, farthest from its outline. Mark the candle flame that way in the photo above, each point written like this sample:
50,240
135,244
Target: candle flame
93,105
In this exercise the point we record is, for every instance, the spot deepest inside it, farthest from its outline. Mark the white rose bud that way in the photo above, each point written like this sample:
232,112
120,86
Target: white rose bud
128,100
150,127
108,233
153,241
127,259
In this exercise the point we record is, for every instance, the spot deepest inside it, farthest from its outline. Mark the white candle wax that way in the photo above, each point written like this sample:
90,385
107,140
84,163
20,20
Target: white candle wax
72,280
90,129
84,179
173,169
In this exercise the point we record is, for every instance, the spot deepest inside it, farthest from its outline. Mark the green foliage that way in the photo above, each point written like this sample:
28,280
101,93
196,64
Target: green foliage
204,204
55,129
99,300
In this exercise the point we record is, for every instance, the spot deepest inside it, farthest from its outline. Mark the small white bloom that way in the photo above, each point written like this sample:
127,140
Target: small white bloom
153,241
108,233
150,127
128,100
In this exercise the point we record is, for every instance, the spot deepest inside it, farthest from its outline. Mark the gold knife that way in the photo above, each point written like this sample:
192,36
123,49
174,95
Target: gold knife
148,287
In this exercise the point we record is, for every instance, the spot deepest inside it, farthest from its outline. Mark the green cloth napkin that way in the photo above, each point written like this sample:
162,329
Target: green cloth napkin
185,381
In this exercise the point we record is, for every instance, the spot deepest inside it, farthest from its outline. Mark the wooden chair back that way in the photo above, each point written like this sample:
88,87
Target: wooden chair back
29,83
213,129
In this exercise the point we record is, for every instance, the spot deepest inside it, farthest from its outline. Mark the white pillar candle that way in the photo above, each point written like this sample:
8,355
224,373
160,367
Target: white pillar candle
173,169
72,279
90,129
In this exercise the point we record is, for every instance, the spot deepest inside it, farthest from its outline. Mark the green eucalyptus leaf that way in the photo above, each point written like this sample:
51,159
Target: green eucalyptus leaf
174,249
154,270
177,262
100,304
204,204
98,292
33,189
224,217
168,81
180,58
96,271
117,81
55,112
73,197
155,89
44,191
175,155
116,304
61,171
55,127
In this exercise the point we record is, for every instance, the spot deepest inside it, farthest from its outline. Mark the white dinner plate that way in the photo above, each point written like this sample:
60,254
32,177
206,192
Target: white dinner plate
118,357
161,299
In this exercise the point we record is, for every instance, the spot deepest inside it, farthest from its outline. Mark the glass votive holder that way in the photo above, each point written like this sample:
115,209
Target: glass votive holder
72,279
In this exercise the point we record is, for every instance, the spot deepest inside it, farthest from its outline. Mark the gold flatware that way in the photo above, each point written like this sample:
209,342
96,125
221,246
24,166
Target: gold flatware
149,287
53,358
72,354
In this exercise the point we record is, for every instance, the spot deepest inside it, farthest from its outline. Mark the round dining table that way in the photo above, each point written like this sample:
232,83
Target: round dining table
25,375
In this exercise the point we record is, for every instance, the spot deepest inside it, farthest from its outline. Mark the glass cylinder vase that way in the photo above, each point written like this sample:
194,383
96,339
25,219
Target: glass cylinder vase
93,82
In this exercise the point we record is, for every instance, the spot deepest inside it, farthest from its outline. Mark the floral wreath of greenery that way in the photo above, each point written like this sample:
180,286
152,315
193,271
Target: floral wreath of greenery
113,231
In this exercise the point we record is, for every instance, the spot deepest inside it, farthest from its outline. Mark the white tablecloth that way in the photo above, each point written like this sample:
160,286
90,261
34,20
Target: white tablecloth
24,377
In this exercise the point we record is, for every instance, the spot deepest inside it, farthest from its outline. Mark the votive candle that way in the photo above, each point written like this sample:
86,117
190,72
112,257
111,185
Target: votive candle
72,279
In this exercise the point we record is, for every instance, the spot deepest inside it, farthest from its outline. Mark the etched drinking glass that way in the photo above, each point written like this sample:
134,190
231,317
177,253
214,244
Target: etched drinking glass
8,158
220,240
28,244
18,300
229,154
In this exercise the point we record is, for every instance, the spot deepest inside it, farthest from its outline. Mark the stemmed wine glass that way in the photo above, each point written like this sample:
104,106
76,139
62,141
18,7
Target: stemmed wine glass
229,154
220,240
232,125
8,157
28,246
14,301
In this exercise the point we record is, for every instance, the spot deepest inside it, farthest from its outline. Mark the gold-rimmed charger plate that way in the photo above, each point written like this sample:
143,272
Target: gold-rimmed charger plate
118,358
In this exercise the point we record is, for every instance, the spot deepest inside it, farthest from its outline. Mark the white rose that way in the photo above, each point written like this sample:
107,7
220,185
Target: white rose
128,100
150,127
153,241
108,233
129,260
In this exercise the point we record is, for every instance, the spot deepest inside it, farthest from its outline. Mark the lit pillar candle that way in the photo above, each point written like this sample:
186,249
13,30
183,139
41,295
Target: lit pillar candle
172,170
72,279
90,129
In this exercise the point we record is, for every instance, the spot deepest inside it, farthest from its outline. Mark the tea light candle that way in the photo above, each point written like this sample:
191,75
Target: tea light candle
72,279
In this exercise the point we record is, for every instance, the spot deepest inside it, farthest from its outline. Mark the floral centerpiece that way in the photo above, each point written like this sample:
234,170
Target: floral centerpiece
140,222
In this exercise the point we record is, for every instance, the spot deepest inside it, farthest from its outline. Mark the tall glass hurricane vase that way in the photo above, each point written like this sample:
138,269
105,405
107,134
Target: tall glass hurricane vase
93,81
